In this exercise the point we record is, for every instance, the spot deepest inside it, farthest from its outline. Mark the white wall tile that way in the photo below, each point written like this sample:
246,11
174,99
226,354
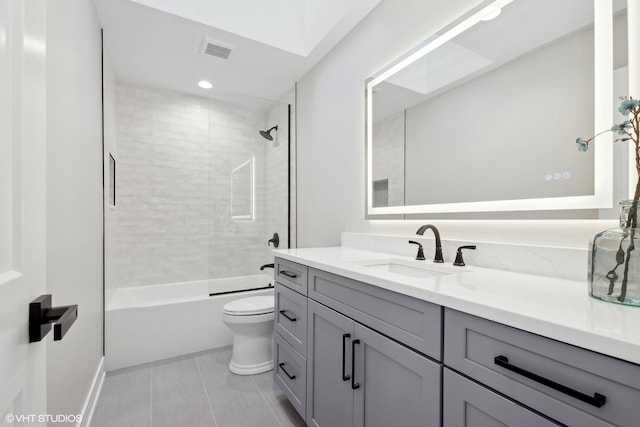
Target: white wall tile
173,219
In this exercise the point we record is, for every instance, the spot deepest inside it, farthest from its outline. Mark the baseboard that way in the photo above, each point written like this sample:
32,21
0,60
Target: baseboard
92,397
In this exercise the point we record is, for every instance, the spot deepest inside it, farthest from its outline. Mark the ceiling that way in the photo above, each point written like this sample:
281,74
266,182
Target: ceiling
157,43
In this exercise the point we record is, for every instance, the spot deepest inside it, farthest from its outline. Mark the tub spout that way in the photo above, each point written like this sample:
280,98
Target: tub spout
262,267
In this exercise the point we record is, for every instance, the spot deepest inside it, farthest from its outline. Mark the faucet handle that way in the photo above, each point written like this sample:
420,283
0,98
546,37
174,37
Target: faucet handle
420,254
275,240
459,260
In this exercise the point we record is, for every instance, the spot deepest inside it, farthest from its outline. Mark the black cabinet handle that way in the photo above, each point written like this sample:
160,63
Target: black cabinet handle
288,274
354,384
284,313
596,400
291,377
345,376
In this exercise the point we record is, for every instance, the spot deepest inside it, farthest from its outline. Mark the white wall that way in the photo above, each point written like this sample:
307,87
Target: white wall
331,137
74,198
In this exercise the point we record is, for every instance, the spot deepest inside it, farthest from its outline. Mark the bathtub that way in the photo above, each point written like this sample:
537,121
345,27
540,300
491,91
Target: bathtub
155,322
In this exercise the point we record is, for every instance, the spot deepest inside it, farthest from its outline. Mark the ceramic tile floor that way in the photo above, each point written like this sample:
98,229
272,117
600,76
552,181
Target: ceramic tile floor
192,391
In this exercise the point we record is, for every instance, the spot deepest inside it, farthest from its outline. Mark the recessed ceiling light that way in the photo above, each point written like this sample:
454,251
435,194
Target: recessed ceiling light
205,84
490,12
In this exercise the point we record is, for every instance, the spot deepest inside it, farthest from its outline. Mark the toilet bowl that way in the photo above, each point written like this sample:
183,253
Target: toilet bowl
251,320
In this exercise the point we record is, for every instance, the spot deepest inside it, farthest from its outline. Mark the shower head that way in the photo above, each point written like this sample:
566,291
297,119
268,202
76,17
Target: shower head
266,134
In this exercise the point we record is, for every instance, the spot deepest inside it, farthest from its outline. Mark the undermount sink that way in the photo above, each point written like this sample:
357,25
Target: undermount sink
411,268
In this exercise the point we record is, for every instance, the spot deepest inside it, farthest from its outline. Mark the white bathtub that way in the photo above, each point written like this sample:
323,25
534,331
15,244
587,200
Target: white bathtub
155,322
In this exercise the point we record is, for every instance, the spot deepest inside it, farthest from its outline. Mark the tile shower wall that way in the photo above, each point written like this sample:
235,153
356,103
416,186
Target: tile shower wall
277,169
239,247
175,156
162,232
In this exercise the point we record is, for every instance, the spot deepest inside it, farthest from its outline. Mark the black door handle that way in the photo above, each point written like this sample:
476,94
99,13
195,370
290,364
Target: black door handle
596,400
345,376
354,384
291,377
288,274
284,313
42,315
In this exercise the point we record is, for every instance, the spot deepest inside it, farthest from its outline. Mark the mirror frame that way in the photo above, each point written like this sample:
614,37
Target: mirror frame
603,106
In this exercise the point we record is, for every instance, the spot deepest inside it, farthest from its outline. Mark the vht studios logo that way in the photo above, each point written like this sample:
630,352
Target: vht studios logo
42,418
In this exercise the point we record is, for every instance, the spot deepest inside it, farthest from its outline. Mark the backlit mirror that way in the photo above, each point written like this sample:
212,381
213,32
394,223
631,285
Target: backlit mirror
482,117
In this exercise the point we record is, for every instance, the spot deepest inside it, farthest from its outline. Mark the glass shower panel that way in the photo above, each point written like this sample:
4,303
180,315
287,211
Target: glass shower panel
249,190
158,230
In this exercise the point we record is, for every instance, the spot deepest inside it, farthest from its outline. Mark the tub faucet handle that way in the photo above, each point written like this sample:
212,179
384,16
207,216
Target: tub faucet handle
275,240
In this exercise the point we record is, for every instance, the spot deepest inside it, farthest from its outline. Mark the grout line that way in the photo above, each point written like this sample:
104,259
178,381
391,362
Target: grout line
215,422
266,401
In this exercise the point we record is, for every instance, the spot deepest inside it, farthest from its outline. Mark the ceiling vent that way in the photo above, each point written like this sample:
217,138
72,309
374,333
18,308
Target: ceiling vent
216,48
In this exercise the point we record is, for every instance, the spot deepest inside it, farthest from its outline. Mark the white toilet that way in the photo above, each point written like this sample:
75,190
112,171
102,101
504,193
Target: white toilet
251,320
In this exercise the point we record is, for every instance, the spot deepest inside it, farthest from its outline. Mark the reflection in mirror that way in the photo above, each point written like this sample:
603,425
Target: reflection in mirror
484,120
242,191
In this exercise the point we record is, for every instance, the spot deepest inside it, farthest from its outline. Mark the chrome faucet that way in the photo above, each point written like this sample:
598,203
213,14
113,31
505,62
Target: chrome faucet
438,256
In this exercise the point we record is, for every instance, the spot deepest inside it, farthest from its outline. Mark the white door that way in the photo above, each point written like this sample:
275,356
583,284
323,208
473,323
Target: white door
22,207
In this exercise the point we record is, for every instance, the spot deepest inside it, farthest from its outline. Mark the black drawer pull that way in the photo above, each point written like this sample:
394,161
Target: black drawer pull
289,274
354,384
345,376
291,377
284,313
596,400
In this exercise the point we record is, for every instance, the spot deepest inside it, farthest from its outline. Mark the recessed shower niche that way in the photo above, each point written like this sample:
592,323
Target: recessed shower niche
242,196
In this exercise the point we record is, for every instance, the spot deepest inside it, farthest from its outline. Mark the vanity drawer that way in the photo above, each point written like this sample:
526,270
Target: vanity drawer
468,404
291,317
533,371
290,371
291,274
413,322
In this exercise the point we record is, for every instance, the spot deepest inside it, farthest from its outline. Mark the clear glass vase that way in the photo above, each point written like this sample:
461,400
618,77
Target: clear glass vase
614,259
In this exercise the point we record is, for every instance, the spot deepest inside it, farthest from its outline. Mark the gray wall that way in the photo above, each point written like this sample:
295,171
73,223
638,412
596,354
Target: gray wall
74,198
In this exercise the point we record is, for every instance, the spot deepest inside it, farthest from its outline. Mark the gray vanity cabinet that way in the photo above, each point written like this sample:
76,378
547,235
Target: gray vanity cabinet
398,387
576,387
370,357
329,394
358,377
468,404
290,332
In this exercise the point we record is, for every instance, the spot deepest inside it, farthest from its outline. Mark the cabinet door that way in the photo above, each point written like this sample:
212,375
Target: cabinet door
398,387
329,394
468,404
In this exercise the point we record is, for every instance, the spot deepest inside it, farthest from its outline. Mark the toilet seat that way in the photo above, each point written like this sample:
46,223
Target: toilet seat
251,306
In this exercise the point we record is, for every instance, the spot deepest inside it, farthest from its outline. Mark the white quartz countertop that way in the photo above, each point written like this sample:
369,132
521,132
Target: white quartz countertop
556,308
